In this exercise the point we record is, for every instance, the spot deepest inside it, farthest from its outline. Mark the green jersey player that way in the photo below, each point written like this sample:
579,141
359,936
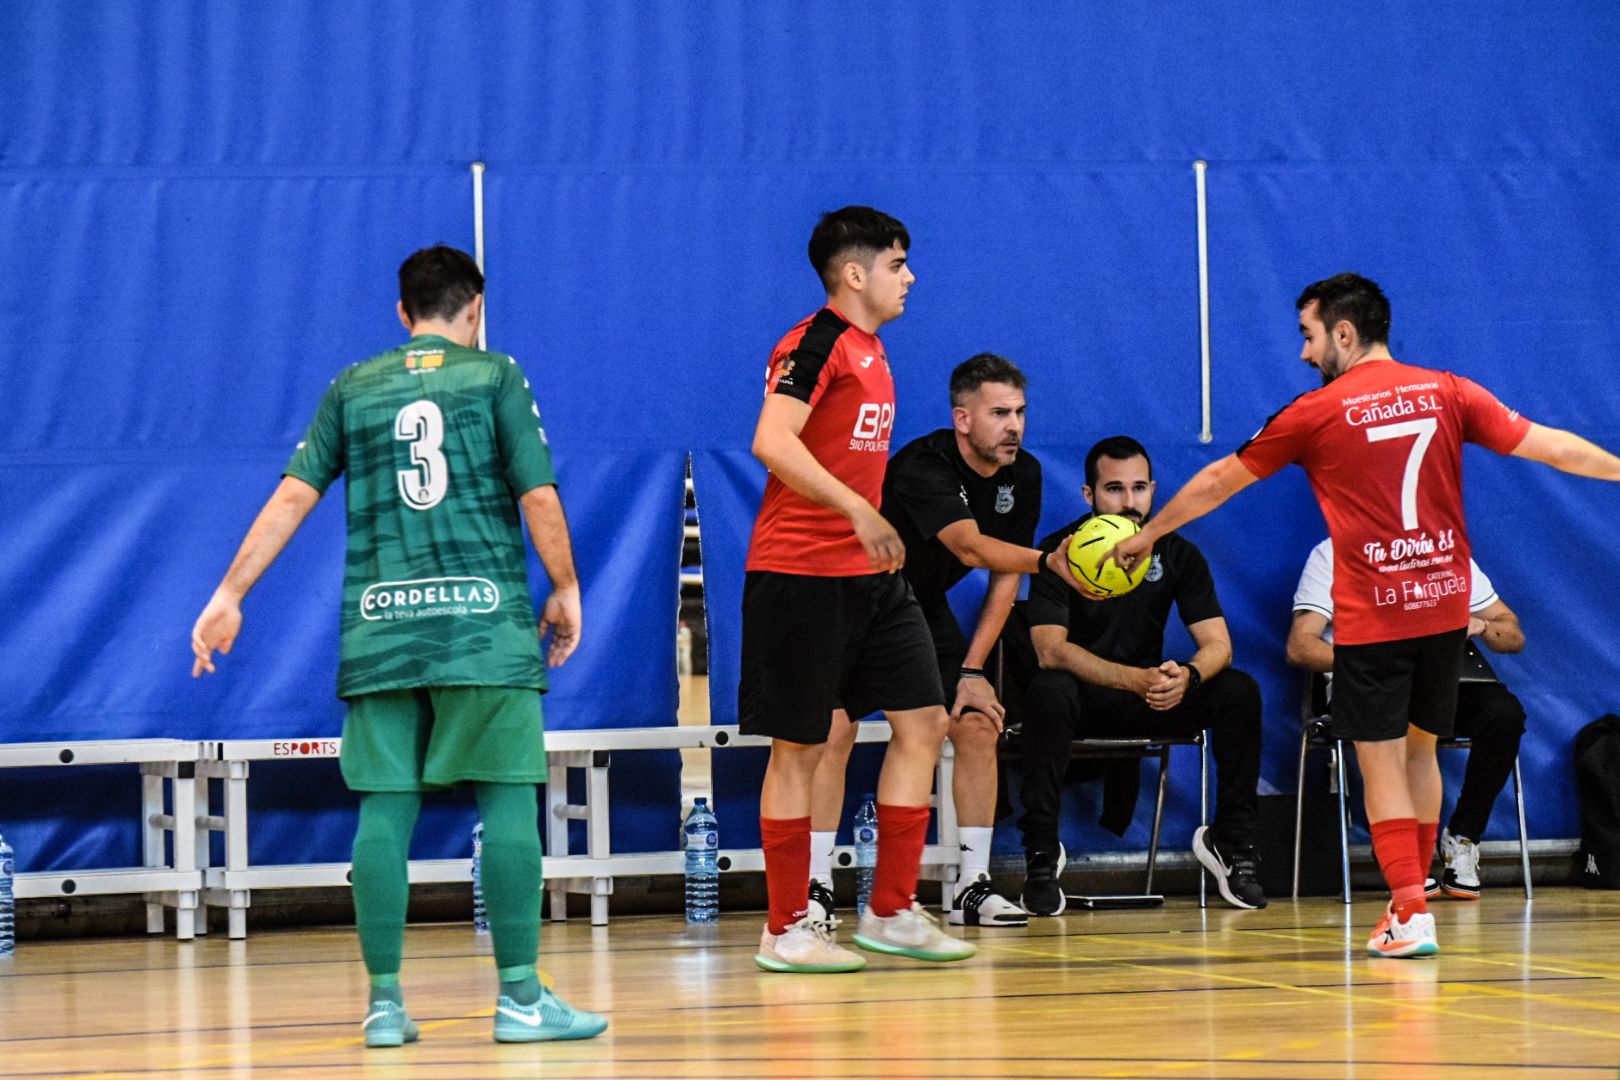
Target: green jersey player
441,662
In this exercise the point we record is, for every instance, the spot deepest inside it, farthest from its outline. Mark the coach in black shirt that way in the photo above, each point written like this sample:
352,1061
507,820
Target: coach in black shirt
962,497
1103,673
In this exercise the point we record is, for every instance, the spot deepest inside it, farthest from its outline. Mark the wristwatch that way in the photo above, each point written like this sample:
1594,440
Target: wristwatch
1195,678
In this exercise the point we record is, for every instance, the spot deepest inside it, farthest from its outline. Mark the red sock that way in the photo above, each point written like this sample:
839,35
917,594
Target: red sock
1427,834
787,869
902,831
1395,843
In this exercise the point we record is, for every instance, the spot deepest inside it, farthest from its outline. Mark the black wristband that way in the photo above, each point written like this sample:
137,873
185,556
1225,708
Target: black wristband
1195,678
971,673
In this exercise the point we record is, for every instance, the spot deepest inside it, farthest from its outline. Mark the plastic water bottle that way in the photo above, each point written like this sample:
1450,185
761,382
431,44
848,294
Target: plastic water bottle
866,841
701,834
8,901
480,917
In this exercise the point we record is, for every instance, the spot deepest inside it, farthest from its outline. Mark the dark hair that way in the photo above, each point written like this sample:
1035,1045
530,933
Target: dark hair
1119,448
858,230
1352,298
975,371
437,282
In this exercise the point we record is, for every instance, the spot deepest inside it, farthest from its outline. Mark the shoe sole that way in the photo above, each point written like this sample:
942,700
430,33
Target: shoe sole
523,1035
1207,859
387,1040
1460,892
1407,951
873,945
957,918
786,968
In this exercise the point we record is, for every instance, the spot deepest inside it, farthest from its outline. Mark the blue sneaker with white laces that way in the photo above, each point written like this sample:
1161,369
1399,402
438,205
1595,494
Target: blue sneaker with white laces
547,1019
387,1025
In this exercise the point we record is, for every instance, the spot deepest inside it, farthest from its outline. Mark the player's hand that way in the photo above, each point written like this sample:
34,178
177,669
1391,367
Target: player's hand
1167,690
1476,626
563,617
1130,551
1057,561
977,695
215,628
884,548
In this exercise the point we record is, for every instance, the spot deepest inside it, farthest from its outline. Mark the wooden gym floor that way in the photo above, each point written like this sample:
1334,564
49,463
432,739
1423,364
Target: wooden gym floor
1521,990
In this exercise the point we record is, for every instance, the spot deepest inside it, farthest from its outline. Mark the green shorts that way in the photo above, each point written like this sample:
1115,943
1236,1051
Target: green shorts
438,736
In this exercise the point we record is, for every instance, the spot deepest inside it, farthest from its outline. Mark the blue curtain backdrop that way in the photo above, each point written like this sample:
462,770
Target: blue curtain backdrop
204,206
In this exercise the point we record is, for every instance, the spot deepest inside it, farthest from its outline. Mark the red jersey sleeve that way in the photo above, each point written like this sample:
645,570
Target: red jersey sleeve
1281,441
1487,421
805,361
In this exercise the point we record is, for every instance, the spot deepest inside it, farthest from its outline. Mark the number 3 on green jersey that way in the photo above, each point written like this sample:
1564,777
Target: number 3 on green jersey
424,484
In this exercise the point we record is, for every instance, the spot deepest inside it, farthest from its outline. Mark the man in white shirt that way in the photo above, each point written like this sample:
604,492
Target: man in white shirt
1487,711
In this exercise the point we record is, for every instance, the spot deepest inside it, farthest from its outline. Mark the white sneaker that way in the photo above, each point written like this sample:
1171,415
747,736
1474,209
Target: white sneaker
980,905
1400,940
1460,878
910,932
805,948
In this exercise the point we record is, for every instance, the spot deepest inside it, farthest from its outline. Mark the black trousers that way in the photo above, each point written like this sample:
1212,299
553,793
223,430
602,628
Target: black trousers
1059,708
1489,714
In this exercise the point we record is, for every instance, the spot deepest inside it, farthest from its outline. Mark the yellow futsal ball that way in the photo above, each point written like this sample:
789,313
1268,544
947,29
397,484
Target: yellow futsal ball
1097,538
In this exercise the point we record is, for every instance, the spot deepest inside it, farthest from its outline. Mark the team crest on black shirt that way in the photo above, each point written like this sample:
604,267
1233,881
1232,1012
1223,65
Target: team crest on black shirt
1155,569
1004,499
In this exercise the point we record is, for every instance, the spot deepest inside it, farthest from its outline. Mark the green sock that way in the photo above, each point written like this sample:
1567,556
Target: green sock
520,984
511,871
387,988
382,844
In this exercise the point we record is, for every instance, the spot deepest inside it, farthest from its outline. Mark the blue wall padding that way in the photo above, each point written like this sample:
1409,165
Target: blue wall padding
204,208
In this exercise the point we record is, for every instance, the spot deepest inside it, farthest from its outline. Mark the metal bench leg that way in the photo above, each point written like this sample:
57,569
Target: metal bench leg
1203,814
950,839
1344,816
1299,803
235,783
1524,833
598,844
1158,818
183,792
152,846
557,834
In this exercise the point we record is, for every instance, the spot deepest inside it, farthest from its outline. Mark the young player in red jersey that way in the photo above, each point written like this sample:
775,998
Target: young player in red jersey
1381,442
827,621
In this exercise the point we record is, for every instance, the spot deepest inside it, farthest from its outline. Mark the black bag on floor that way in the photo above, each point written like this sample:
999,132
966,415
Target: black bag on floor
1597,783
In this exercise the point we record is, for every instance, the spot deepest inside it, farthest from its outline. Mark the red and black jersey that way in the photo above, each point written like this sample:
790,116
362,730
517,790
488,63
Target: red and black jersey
842,372
1382,446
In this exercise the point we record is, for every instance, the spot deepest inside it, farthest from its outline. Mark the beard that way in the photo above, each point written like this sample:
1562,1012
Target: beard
990,452
1332,364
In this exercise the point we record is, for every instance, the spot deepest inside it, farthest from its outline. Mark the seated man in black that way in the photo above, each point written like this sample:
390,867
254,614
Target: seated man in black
1103,674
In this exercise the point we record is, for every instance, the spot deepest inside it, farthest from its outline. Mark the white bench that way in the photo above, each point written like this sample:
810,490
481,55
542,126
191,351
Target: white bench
590,872
165,881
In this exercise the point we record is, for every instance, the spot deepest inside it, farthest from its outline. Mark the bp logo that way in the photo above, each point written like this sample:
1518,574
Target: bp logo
1156,569
1004,499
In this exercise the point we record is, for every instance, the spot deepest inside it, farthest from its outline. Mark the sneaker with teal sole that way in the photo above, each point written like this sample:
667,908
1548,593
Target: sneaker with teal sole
550,1018
387,1025
910,932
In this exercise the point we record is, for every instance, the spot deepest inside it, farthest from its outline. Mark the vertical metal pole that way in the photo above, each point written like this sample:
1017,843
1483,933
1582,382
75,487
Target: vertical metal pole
478,245
1200,167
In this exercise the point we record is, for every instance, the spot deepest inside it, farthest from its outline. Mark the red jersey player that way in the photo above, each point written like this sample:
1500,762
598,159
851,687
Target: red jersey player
1381,442
827,622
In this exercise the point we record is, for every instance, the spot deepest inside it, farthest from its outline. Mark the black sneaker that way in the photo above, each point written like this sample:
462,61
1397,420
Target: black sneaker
1236,870
821,904
1043,890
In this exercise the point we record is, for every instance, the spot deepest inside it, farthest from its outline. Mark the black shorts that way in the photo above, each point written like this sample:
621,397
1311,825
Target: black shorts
1379,689
814,644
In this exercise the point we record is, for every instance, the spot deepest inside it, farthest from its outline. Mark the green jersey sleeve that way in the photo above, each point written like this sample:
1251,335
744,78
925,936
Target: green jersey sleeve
520,437
319,460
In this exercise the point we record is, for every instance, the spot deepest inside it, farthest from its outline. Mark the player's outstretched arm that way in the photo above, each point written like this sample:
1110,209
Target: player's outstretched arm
1213,485
548,532
221,620
1568,452
778,446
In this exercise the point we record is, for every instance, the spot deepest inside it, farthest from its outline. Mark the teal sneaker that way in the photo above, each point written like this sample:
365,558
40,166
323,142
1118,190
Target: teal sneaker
549,1018
387,1025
